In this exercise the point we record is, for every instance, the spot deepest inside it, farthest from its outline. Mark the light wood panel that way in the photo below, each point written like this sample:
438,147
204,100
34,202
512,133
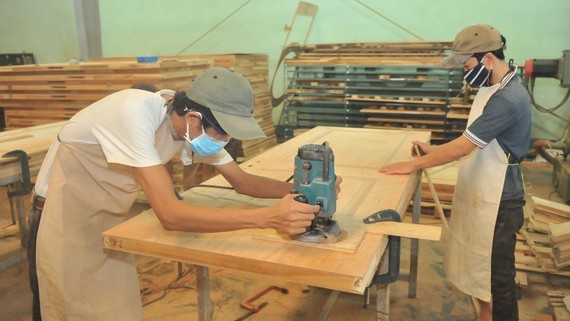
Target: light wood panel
35,141
358,154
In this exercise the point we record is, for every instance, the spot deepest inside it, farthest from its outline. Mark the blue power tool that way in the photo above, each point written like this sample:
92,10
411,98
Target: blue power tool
314,179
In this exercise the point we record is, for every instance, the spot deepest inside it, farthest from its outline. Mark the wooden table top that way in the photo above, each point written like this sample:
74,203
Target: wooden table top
35,141
358,155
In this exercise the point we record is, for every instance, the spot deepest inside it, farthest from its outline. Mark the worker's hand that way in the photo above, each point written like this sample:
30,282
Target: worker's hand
290,216
337,182
423,147
398,168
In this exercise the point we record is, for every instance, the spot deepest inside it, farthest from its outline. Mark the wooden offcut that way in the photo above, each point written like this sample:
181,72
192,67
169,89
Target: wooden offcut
34,141
414,231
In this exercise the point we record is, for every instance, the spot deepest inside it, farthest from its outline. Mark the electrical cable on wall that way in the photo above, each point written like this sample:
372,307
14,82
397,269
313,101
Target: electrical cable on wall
389,20
530,88
542,109
214,27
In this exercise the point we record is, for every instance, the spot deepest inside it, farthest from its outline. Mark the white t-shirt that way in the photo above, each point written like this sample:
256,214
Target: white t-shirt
132,128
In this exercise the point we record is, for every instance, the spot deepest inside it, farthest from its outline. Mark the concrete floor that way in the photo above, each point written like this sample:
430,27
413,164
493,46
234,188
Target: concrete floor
436,298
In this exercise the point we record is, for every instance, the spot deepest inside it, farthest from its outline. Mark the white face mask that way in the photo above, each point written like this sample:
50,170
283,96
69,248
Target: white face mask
203,145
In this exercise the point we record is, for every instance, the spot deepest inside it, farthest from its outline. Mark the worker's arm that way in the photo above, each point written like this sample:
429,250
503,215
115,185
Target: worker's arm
436,156
253,185
258,186
286,216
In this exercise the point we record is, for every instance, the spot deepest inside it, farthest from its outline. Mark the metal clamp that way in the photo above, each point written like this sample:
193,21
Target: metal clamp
394,255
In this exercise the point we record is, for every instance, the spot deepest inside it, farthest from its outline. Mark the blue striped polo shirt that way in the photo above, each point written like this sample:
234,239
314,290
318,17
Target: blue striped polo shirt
506,117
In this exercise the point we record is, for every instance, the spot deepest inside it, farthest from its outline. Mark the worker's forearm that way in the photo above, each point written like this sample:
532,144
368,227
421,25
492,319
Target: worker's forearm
264,187
436,158
193,218
445,153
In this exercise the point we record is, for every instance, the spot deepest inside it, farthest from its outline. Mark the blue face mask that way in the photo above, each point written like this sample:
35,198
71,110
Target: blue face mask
478,76
203,145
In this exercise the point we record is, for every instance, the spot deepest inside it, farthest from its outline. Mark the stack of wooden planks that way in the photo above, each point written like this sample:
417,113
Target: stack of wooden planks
560,303
33,95
39,94
560,237
544,244
547,213
255,68
375,49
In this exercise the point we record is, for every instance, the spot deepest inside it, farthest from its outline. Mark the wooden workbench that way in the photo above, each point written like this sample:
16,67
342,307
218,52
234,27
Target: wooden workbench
358,155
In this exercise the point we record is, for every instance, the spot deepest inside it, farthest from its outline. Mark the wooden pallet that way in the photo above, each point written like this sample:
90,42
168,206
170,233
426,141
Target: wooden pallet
533,253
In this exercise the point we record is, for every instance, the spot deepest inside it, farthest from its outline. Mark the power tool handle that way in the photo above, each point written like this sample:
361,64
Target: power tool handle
301,198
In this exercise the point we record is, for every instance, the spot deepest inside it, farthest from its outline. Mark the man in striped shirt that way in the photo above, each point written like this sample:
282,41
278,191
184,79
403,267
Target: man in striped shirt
489,194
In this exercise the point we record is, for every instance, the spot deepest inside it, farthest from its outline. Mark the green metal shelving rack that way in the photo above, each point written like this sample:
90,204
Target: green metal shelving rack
381,96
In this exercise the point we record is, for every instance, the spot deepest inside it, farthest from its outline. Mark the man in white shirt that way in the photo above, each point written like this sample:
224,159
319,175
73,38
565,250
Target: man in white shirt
119,144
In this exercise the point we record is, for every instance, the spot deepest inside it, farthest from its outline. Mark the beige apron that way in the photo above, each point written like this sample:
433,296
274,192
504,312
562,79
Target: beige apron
78,280
475,207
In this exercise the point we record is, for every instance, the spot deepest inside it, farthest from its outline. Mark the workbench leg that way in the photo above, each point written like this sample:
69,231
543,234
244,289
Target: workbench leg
203,288
415,243
20,211
328,306
383,290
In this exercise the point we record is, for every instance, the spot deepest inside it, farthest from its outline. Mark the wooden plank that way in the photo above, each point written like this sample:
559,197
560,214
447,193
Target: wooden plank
365,61
414,231
552,207
404,100
407,121
8,231
559,232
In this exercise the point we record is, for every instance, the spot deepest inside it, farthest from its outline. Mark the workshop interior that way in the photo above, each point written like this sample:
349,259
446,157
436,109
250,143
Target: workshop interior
340,89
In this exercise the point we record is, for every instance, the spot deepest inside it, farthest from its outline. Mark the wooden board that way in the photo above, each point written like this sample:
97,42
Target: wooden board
552,207
414,231
35,141
364,191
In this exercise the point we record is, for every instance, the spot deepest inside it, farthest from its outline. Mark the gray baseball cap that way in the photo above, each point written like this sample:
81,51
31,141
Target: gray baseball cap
230,98
471,40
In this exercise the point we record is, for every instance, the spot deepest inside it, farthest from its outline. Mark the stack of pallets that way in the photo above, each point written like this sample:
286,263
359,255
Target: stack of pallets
376,85
544,245
39,94
560,304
